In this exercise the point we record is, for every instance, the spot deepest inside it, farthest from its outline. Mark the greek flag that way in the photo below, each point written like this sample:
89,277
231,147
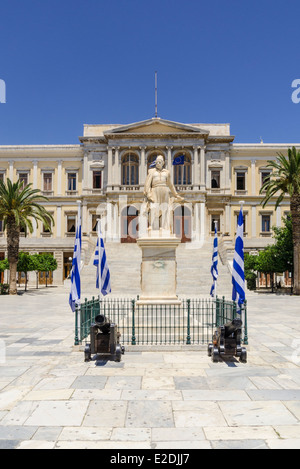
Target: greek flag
103,275
238,273
214,267
153,164
75,273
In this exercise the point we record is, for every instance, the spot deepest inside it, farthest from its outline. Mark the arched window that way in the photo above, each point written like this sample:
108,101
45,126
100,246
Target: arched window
130,170
152,157
183,173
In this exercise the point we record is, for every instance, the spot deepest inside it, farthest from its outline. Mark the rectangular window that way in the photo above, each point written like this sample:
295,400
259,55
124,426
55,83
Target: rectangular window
215,221
23,178
47,182
2,177
240,181
265,176
71,224
97,179
266,223
244,222
215,179
72,182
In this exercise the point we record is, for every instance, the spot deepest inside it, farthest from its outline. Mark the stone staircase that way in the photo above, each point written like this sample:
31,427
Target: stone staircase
193,271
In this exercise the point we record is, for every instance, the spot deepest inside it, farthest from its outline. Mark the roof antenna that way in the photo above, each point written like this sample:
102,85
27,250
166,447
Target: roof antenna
155,95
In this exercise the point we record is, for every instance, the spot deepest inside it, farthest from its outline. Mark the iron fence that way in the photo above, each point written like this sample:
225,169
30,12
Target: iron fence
192,322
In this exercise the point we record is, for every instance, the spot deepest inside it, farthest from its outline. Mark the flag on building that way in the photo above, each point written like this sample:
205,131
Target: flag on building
153,164
75,293
214,267
178,160
103,274
238,272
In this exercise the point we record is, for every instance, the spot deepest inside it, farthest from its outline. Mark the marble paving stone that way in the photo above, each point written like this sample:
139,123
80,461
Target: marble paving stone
158,382
288,431
19,413
183,445
97,394
106,445
149,414
265,383
49,395
284,444
85,434
152,395
105,414
169,371
239,444
9,444
16,432
89,382
199,414
36,444
58,413
275,395
47,433
131,434
215,395
294,408
124,382
190,382
229,382
256,413
240,433
48,384
177,434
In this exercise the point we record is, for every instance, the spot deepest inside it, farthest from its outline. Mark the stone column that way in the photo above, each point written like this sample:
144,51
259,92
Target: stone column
11,170
202,169
116,175
253,177
58,221
35,174
84,218
85,176
169,161
195,170
142,167
227,173
253,221
228,219
59,177
109,166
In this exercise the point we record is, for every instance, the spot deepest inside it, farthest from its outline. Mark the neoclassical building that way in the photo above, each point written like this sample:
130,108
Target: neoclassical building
106,172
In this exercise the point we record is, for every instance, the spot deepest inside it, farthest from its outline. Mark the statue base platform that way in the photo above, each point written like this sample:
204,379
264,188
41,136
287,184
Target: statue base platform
158,269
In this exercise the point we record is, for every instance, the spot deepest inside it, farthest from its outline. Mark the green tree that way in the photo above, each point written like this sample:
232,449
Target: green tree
285,180
250,270
47,263
25,265
19,206
268,262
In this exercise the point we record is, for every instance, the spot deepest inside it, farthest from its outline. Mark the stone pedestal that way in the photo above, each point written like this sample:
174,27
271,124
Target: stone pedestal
158,268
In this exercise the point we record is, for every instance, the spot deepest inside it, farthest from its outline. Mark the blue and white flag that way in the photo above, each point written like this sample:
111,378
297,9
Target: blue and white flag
103,275
238,272
214,267
178,160
75,294
153,164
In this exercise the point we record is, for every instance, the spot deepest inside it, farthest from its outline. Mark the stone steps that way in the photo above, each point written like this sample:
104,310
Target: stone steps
193,271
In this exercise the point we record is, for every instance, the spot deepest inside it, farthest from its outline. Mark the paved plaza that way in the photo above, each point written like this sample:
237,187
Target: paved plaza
50,398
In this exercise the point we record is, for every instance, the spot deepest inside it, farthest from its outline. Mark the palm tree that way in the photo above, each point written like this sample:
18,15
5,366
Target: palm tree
19,206
285,180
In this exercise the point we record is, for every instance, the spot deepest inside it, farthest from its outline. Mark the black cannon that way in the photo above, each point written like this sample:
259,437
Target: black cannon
227,342
105,340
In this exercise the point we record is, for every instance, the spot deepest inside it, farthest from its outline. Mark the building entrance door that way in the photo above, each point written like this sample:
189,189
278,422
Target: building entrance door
129,225
183,224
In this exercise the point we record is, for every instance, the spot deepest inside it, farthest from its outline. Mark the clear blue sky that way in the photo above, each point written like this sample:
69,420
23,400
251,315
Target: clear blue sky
70,62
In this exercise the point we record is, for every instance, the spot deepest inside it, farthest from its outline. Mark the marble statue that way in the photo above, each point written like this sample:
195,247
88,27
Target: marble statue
157,190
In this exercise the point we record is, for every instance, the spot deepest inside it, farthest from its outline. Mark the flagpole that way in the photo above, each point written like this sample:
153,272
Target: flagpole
99,255
215,292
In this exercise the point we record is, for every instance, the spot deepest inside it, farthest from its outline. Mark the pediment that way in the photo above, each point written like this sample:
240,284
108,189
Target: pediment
157,126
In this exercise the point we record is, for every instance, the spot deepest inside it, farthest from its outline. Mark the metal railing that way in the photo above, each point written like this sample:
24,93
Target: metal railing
193,322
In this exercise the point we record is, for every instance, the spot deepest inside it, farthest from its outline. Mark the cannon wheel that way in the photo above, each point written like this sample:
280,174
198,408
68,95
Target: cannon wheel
215,355
87,353
118,353
243,357
210,349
